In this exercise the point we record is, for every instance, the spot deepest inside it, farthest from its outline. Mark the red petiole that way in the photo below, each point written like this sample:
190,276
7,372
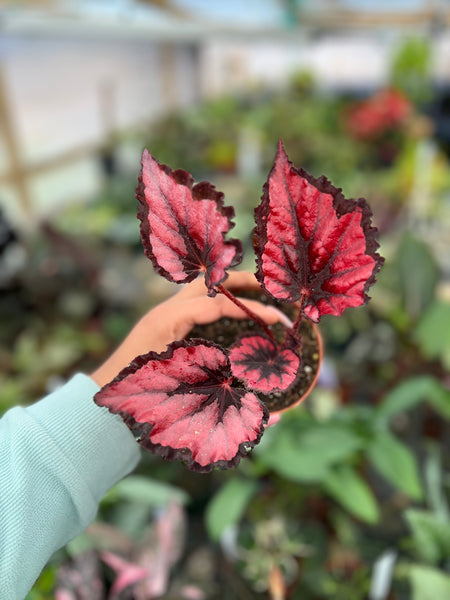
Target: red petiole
223,290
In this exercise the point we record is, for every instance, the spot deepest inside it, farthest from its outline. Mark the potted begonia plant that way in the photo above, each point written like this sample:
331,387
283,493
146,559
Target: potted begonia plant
206,403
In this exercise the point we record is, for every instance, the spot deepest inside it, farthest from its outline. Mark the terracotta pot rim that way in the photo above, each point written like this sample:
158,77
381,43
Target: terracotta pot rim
316,375
271,402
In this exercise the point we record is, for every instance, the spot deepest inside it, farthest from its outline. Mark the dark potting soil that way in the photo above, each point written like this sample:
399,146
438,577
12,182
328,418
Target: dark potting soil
225,332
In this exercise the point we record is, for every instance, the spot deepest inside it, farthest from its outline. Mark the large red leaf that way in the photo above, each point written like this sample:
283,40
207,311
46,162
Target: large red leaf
312,244
262,365
183,225
184,405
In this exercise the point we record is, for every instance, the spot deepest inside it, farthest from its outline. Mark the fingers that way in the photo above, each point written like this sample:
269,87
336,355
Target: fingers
241,279
273,419
267,313
202,310
192,306
174,318
236,279
191,290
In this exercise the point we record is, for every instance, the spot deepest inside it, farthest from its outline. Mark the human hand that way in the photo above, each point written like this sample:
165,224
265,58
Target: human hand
174,318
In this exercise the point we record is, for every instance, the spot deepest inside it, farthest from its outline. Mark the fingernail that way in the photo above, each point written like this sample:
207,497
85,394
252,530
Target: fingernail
273,419
281,316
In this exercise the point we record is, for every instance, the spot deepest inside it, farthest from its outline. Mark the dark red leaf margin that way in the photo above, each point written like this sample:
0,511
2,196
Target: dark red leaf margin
305,265
187,223
174,396
262,365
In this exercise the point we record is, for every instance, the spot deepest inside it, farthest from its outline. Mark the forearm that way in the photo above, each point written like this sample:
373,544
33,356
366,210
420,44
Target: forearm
58,457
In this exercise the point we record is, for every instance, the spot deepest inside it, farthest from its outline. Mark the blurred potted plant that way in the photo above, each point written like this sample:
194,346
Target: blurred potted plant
379,123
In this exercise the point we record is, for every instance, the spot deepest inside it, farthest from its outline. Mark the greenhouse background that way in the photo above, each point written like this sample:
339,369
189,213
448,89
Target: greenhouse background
347,498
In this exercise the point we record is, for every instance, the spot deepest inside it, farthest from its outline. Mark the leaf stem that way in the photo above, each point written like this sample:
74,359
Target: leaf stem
223,290
298,320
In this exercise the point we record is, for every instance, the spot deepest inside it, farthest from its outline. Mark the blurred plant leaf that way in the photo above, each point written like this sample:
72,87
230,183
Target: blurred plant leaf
308,455
394,461
431,535
428,583
228,505
43,589
132,518
410,68
61,347
417,273
100,535
432,332
80,579
353,493
80,544
411,392
11,392
440,400
32,355
144,490
433,476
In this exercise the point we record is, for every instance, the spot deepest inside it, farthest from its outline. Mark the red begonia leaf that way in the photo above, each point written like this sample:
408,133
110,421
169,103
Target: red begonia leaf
262,365
184,404
312,244
183,225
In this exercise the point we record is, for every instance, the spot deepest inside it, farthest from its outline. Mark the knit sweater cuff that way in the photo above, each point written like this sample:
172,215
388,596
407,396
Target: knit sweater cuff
98,443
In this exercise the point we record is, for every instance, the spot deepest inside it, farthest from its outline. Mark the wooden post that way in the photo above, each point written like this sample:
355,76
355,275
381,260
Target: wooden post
109,128
16,175
168,75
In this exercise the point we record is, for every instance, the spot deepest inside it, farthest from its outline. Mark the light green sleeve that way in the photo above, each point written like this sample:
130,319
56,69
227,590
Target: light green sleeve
58,458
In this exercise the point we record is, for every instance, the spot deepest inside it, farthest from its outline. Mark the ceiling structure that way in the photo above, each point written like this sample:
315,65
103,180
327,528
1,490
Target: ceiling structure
196,18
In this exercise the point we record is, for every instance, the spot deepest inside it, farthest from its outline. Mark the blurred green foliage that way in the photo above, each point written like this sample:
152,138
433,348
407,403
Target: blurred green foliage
411,68
208,139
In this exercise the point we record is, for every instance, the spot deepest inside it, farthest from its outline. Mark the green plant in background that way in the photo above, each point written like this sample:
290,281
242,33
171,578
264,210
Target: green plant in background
208,138
411,68
366,458
272,546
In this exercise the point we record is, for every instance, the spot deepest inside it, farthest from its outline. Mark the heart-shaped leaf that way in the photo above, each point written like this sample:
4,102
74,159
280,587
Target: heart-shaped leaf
312,244
262,365
184,405
183,225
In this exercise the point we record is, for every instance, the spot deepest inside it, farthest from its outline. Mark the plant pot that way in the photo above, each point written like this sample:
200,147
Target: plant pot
225,332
